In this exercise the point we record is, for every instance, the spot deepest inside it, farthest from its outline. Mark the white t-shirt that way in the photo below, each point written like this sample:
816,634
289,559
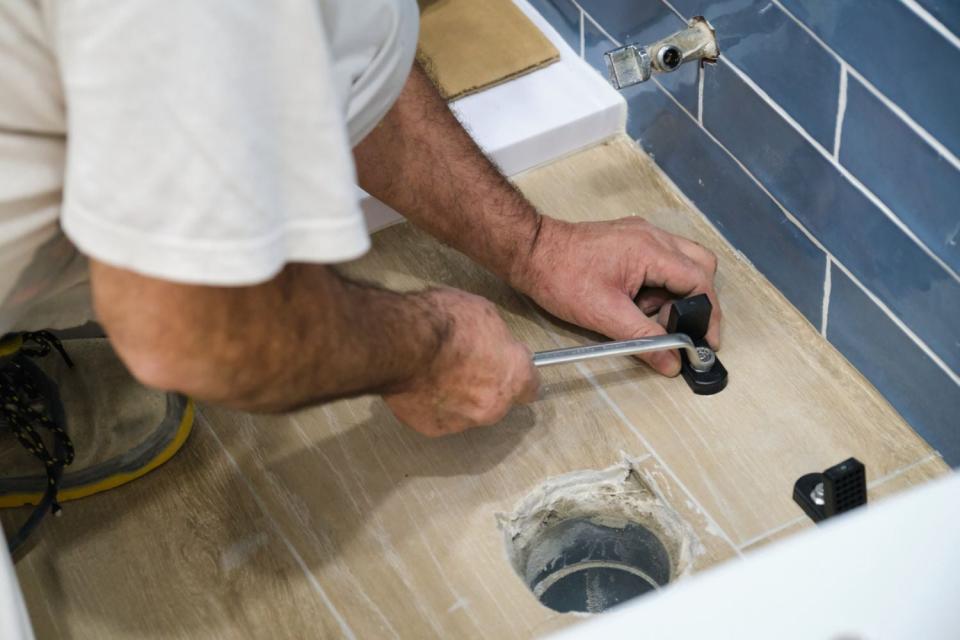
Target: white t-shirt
201,142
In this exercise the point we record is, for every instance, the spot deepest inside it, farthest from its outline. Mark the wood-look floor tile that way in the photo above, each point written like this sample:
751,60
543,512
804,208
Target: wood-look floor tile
793,402
184,552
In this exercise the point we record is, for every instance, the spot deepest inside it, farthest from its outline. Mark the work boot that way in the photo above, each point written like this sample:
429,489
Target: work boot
74,422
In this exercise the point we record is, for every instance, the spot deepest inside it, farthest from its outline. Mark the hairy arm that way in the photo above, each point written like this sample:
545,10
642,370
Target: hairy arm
606,276
443,359
422,162
306,336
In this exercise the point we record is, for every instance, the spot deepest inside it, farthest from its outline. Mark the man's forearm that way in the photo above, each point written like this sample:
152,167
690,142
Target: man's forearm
421,161
306,336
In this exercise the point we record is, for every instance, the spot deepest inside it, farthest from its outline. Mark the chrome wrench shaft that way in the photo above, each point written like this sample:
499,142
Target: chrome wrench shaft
701,358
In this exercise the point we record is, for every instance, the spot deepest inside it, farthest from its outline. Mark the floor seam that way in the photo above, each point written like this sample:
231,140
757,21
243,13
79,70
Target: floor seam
877,482
308,574
766,534
902,470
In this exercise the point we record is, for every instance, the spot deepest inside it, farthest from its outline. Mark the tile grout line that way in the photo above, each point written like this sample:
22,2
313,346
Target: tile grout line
827,286
925,135
646,443
308,574
651,452
877,482
700,75
816,242
774,531
933,22
853,180
841,112
583,49
902,470
872,197
599,27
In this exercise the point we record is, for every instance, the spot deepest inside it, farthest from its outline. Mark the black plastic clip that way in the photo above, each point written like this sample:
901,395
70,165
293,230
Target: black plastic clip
838,489
692,317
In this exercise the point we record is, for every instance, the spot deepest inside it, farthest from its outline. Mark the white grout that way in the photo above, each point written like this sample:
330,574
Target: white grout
872,197
700,73
582,37
917,340
925,135
674,9
902,470
827,286
777,529
816,242
308,574
599,27
841,112
933,22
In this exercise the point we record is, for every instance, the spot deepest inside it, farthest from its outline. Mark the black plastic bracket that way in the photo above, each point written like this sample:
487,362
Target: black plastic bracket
838,489
692,317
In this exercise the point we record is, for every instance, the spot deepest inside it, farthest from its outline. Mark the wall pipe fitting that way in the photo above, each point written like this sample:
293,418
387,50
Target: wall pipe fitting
633,63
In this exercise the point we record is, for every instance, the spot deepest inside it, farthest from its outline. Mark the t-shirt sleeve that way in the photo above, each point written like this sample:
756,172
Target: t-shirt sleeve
205,140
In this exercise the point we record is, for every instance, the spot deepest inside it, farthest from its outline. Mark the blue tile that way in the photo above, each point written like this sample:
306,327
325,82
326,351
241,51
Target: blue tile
633,21
564,16
595,44
734,203
898,53
893,266
643,22
923,394
782,58
946,11
906,173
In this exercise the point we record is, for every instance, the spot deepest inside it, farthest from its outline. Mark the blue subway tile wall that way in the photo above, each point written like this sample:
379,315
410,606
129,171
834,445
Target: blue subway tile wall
898,52
946,11
715,183
818,140
761,39
921,391
564,16
852,228
655,21
877,145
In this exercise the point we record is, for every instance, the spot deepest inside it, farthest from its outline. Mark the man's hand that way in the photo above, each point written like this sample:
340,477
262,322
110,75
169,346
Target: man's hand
420,161
608,276
444,360
478,374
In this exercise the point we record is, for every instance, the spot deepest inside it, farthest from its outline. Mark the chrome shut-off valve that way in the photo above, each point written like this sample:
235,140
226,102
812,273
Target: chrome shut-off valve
634,63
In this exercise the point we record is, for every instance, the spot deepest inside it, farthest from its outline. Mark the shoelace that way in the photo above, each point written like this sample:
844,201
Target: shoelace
22,410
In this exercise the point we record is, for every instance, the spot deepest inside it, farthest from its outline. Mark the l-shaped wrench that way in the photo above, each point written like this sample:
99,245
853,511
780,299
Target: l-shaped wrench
701,358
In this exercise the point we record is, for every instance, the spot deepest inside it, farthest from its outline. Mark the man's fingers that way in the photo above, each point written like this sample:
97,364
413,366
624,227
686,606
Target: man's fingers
530,389
527,387
623,320
688,272
651,299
